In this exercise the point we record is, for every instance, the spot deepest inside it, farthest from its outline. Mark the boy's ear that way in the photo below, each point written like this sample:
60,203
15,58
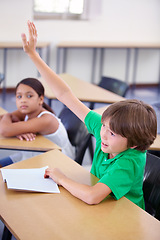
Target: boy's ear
133,147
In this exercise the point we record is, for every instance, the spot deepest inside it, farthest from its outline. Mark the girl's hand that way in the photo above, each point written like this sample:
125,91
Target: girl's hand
55,174
27,136
30,46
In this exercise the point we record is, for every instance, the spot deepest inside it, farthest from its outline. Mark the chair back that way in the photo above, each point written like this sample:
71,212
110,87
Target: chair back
114,85
1,77
77,133
151,185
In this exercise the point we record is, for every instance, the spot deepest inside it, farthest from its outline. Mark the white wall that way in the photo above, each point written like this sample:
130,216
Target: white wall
120,21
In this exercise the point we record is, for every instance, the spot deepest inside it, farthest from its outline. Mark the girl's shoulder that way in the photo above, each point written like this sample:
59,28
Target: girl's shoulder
49,115
45,112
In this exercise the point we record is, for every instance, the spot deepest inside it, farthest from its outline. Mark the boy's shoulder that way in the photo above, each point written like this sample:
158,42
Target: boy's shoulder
133,156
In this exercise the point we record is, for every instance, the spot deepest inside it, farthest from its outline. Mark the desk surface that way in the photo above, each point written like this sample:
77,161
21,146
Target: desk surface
92,44
39,144
64,217
85,91
156,145
2,111
9,44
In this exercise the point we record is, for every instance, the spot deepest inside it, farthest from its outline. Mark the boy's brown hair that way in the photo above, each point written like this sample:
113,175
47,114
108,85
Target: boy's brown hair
134,120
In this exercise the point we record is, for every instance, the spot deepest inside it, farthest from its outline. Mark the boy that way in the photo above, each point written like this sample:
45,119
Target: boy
127,129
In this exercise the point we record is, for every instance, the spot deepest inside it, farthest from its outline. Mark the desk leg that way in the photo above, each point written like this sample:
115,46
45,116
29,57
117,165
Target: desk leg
159,72
64,60
93,65
48,55
101,63
4,72
135,67
40,54
127,64
58,60
7,235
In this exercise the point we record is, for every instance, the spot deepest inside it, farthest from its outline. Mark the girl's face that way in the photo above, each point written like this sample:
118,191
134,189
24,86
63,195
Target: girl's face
111,142
27,100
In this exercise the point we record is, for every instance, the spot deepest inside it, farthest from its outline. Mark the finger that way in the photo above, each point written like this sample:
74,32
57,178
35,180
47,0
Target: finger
20,138
34,29
30,137
24,40
30,29
25,137
46,174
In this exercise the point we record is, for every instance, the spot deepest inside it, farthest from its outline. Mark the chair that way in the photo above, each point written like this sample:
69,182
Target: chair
7,235
151,185
1,77
114,85
77,133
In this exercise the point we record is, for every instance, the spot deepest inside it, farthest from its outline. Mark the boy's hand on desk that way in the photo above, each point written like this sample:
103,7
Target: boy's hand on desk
27,136
55,174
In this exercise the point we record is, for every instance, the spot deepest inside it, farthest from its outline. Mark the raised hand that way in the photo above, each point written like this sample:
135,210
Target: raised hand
30,45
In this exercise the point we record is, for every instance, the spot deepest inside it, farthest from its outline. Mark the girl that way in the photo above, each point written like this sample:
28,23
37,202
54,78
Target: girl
123,134
32,117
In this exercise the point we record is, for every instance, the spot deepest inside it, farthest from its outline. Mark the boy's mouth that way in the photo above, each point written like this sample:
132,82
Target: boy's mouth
103,144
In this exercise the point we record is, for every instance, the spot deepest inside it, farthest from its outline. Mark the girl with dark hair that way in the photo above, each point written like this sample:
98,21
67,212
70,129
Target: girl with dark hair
32,117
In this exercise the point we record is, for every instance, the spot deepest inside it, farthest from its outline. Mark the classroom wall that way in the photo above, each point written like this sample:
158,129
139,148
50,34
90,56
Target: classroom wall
118,21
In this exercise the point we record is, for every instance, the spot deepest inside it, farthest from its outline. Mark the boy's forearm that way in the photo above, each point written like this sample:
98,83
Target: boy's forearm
81,191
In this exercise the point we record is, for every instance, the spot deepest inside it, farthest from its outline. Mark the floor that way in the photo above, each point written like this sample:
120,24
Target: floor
149,95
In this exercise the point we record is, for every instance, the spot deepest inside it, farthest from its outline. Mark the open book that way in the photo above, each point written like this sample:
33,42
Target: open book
29,180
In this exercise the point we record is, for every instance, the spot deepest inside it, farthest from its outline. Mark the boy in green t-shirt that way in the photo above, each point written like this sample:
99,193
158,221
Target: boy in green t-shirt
123,134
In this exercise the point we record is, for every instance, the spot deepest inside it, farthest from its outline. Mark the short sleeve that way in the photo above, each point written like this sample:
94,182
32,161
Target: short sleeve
93,123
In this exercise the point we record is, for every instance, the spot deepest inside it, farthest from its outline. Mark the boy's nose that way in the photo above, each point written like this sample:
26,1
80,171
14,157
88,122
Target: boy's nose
104,135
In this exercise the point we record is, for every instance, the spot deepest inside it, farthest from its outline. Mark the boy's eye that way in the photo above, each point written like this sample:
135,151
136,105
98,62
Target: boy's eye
112,134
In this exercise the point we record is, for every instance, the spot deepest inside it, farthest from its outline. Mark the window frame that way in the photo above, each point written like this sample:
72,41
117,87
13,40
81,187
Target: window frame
60,16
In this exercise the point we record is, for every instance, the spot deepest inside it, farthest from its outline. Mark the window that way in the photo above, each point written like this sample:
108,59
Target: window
58,9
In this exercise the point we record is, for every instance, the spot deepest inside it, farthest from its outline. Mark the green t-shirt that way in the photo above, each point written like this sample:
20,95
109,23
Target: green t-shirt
123,174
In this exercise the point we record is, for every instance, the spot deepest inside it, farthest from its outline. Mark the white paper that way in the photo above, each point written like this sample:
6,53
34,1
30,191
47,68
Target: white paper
29,180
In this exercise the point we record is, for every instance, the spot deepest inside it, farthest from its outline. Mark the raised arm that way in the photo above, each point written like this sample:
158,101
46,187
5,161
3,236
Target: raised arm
61,90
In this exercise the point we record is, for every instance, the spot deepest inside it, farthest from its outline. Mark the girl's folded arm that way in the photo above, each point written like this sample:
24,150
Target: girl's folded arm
35,125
